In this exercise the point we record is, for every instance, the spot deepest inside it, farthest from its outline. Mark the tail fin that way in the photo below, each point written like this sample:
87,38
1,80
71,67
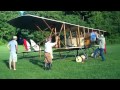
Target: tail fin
34,45
26,45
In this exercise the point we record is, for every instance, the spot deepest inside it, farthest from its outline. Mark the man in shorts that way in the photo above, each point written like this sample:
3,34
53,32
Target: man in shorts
13,47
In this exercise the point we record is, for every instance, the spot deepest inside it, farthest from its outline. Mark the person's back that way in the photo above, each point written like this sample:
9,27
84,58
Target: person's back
93,36
48,46
48,52
12,45
102,42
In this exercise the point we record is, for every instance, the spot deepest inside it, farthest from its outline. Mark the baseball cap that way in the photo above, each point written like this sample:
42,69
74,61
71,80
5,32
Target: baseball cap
14,37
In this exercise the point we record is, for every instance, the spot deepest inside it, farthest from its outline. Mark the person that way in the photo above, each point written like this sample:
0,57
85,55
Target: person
48,52
13,47
93,37
101,47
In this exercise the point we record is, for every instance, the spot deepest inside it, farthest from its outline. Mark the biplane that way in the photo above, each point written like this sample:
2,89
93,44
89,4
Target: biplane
71,36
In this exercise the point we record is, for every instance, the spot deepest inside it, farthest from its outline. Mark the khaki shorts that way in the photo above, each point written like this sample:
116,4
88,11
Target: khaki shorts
48,58
13,57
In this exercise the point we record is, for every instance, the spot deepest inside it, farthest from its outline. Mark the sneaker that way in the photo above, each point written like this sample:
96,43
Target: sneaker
44,67
14,69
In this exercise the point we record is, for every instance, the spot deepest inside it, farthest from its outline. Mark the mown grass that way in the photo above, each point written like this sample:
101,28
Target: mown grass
31,66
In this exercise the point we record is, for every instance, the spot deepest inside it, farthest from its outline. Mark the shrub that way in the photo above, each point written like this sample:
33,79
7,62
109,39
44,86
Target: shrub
2,42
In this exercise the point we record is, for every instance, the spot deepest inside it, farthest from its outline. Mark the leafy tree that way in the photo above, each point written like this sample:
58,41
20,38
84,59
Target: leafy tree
104,20
6,30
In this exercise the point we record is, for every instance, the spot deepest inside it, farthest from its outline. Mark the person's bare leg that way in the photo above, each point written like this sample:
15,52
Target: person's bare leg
10,65
14,65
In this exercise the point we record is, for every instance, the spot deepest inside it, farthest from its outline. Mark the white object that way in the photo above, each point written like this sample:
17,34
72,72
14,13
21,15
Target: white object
78,59
28,45
92,54
102,35
34,45
21,13
83,57
14,37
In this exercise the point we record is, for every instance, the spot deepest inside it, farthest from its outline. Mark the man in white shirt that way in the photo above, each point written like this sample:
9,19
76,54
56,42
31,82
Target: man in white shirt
13,47
48,52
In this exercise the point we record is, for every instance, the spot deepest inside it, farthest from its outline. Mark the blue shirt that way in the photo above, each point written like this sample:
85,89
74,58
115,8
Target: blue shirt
93,36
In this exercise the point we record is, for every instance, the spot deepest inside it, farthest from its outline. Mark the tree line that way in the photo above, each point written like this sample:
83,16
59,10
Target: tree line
104,20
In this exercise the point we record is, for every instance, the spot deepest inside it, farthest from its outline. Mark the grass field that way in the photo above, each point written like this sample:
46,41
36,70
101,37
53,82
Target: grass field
31,66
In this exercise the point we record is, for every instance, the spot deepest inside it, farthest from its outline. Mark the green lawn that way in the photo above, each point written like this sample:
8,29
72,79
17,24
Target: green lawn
31,66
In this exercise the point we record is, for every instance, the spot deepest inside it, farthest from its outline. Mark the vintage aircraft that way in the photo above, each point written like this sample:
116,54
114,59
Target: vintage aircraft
71,36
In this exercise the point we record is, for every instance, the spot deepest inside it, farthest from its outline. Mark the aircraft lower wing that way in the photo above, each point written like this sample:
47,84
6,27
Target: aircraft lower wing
67,49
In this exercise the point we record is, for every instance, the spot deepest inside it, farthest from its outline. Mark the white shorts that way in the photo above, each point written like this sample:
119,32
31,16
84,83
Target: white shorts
13,57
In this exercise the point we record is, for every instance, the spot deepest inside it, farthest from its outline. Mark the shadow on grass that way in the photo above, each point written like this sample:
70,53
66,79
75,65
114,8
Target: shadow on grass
6,63
22,57
62,57
37,62
73,60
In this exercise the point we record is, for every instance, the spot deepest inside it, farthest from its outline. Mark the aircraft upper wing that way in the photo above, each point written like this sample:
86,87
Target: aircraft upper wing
31,21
